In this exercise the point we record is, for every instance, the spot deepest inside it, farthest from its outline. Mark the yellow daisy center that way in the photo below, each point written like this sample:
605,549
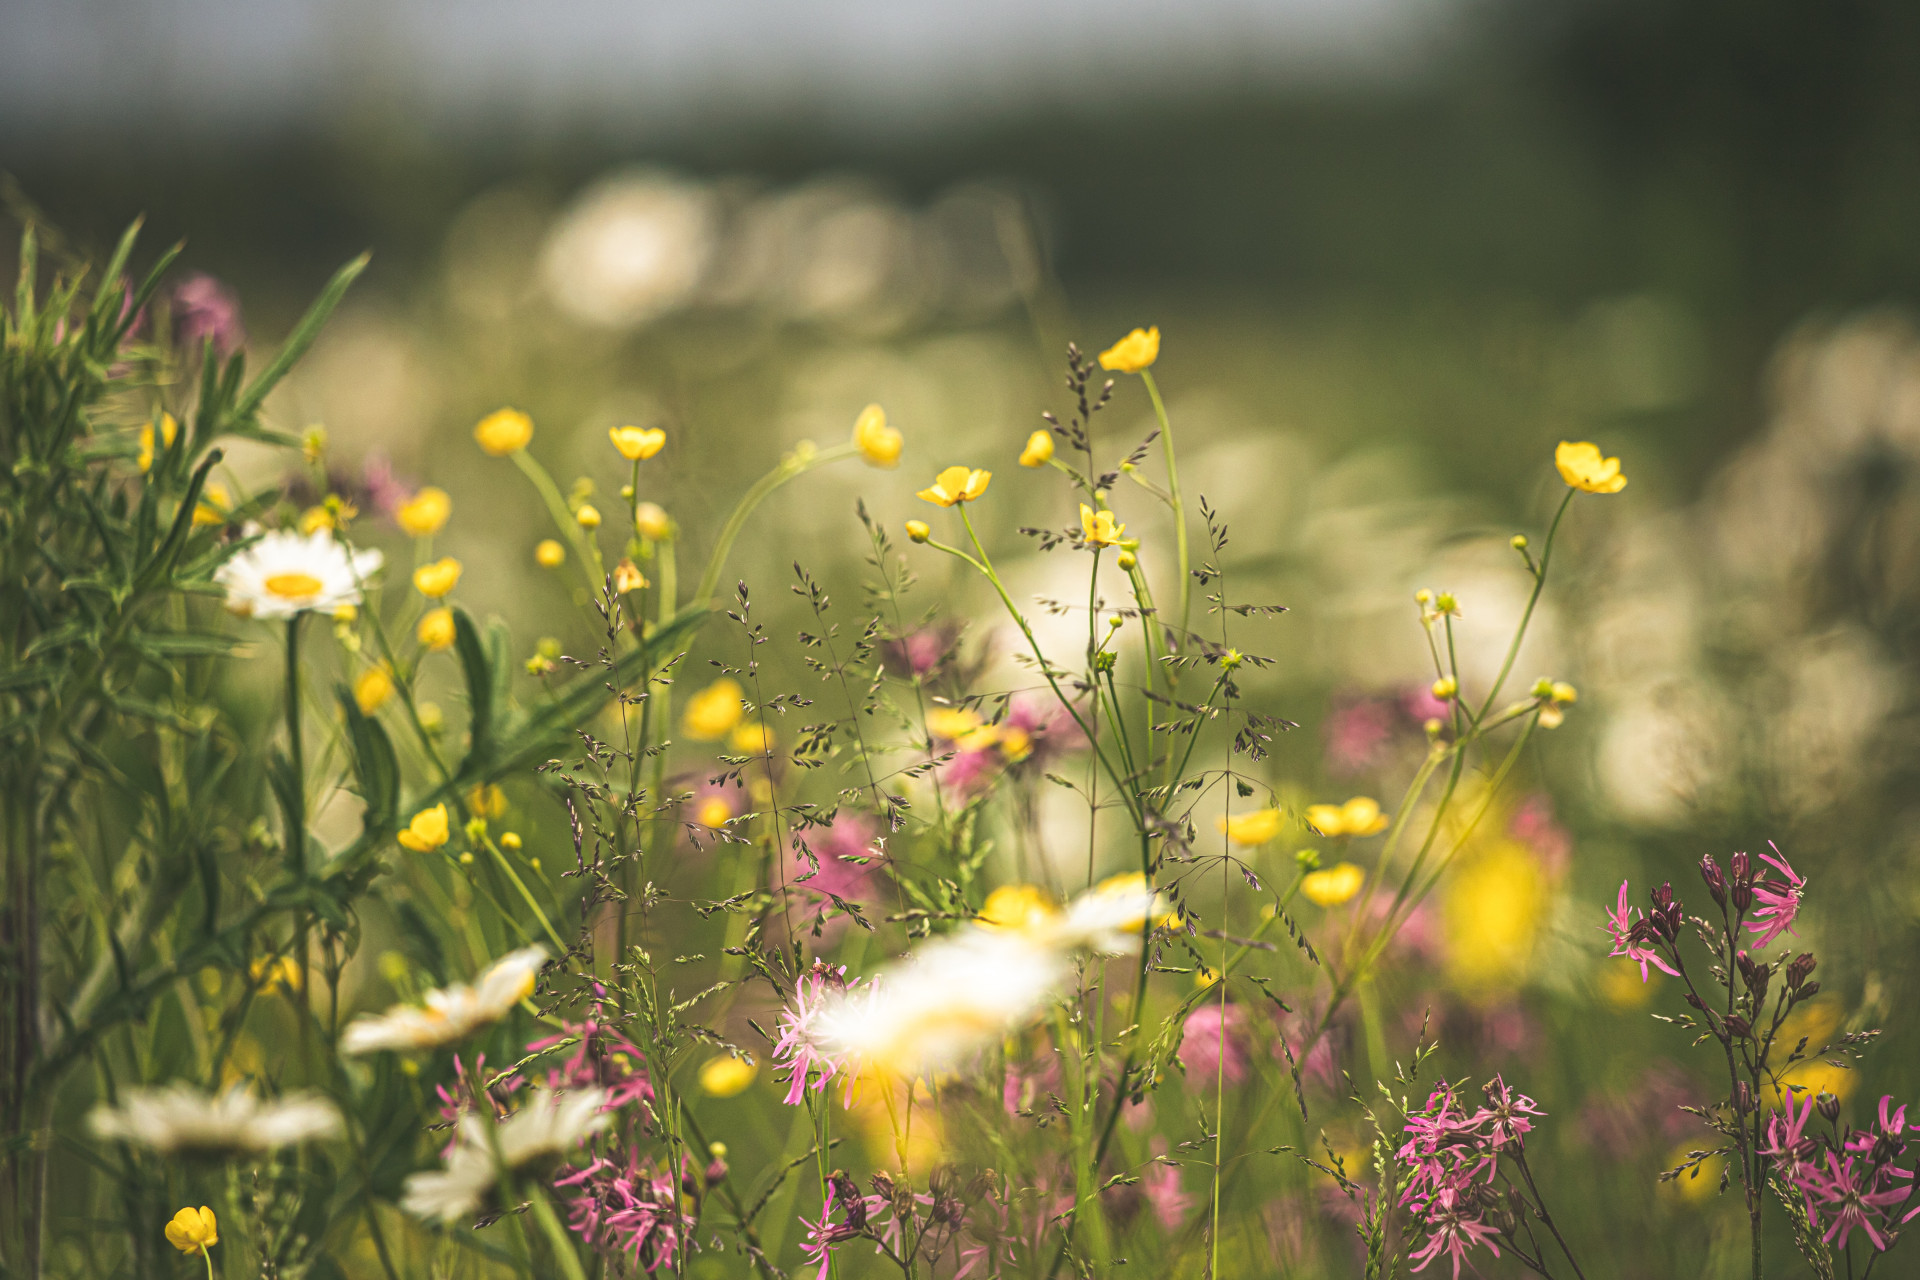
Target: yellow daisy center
294,586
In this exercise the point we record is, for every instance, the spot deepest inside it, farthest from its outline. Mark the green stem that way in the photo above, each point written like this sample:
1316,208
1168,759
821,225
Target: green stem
560,947
1539,584
588,552
1173,488
795,464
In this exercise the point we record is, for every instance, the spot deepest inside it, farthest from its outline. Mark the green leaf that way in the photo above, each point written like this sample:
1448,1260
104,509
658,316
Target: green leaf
376,769
302,337
480,685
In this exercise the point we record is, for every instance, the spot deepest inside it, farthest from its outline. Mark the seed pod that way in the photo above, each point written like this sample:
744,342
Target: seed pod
1716,882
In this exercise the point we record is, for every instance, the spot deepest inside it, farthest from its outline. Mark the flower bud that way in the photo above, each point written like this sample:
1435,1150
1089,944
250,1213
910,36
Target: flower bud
715,1172
1742,895
1741,867
1800,970
1126,560
1807,992
1829,1107
1445,688
1743,1097
918,530
1519,542
1716,882
1738,1026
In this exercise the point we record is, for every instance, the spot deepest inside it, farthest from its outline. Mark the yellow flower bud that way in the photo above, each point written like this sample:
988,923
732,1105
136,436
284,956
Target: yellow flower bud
510,840
1039,450
726,1075
504,431
1445,688
1335,885
1137,351
918,530
1126,560
428,830
549,554
1563,692
878,443
314,519
637,445
425,513
437,579
588,515
372,689
651,521
436,629
214,505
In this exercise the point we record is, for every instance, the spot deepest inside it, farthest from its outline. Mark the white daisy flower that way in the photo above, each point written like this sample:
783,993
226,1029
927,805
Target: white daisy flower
950,999
181,1118
1109,917
547,1124
284,573
452,1013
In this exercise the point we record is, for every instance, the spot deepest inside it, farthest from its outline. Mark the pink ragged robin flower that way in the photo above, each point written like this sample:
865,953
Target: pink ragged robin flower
808,1066
1620,926
1509,1115
1454,1227
1213,1044
1840,1194
1776,901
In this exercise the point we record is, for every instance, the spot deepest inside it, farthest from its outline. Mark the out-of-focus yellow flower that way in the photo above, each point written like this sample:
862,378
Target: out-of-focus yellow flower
372,688
168,430
1021,908
549,554
956,485
751,740
1697,1185
651,521
712,712
193,1230
1582,467
1359,816
1015,744
637,444
1039,450
487,801
314,519
504,431
726,1075
963,727
425,513
313,443
428,830
919,530
878,443
588,515
1445,688
1099,528
436,629
1137,351
275,973
1335,885
214,505
1494,908
627,577
1252,828
715,812
437,579
510,840
1562,692
1621,987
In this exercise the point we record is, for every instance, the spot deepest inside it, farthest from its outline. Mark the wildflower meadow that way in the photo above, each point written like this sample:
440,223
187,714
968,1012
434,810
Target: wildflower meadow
602,846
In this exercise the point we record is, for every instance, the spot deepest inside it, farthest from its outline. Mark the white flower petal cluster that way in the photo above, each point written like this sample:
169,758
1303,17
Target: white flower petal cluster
547,1124
450,1014
962,993
180,1117
285,572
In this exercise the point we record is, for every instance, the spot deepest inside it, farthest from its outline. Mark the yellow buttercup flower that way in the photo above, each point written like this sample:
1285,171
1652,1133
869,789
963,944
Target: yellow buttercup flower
627,577
425,513
275,973
1493,909
436,629
1137,351
878,443
751,740
372,688
588,515
487,801
1359,816
1039,450
428,830
1249,829
956,485
1582,467
214,505
437,579
168,430
651,521
712,712
636,444
504,431
549,554
314,519
1099,528
713,812
193,1230
726,1075
1019,908
919,530
1335,885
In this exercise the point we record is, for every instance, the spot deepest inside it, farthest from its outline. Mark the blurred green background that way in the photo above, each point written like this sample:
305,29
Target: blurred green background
1396,251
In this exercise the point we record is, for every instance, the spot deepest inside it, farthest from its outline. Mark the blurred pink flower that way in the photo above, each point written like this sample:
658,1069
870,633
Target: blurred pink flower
1213,1044
206,310
1422,706
1532,824
1356,732
847,859
1161,1183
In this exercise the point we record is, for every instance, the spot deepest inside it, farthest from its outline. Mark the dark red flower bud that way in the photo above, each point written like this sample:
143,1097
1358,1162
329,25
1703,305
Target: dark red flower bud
1799,971
715,1172
1716,882
1743,1097
1828,1106
1694,1000
1807,992
1739,1026
1741,868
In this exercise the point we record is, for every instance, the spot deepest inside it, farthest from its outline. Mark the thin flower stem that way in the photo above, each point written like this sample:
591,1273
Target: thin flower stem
1173,488
795,464
525,894
1540,1203
587,551
557,1238
1539,584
